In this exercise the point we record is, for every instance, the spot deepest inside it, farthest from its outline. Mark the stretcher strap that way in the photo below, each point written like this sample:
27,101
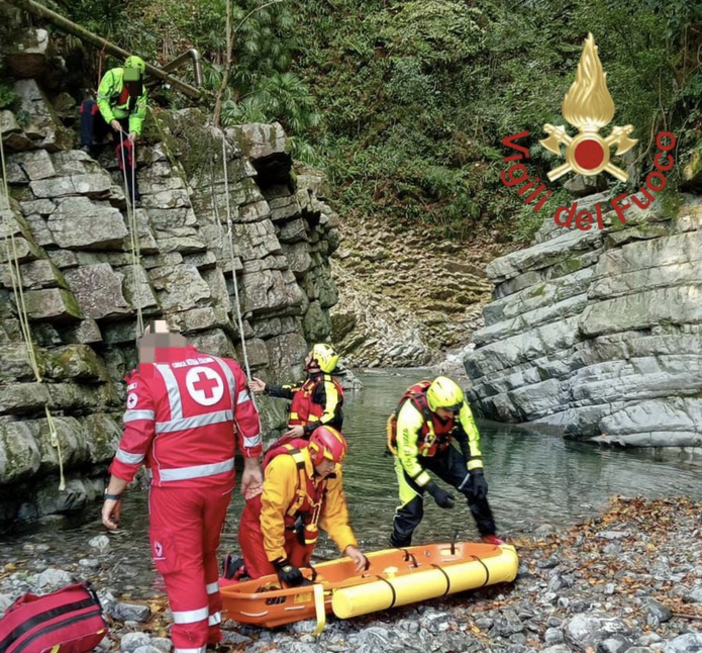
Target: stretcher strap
448,580
319,608
392,589
487,571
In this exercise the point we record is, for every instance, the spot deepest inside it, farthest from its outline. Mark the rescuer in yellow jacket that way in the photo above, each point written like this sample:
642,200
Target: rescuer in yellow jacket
428,418
302,492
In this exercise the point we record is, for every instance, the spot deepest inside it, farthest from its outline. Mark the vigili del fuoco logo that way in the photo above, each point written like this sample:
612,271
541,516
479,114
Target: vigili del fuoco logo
588,107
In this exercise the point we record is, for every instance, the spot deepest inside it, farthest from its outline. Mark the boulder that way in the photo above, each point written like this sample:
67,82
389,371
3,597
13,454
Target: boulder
299,259
36,164
28,55
98,289
259,140
20,457
179,287
137,289
35,275
79,223
13,136
41,126
587,630
51,580
687,643
130,612
85,332
56,304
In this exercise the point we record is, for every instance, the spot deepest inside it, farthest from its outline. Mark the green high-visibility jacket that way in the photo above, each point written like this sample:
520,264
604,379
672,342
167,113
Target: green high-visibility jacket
110,106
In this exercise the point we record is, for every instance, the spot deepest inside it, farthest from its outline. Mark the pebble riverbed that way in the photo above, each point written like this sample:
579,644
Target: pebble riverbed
626,581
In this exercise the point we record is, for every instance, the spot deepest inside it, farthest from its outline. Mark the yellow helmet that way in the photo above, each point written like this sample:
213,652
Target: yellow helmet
325,356
135,62
444,393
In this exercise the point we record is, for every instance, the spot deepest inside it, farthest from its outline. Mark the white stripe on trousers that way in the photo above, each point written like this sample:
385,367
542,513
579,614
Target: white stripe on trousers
190,616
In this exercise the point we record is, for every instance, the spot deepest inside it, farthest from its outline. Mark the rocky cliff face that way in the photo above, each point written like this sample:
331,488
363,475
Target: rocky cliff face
599,333
82,286
405,295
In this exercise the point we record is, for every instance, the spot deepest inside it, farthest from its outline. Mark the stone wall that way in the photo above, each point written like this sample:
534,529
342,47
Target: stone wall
82,289
599,334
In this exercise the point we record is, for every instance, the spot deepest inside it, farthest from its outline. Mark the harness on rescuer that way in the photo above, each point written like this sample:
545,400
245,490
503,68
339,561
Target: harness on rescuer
303,514
303,409
417,395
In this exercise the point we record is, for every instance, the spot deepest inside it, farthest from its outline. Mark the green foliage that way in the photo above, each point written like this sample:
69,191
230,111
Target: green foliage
435,32
282,96
417,96
8,97
406,102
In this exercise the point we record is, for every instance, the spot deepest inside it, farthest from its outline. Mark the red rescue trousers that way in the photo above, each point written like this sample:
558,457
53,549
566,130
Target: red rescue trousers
185,527
251,543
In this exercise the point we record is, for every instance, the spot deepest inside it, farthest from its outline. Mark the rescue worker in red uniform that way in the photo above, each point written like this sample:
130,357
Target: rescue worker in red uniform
302,491
316,401
429,417
186,412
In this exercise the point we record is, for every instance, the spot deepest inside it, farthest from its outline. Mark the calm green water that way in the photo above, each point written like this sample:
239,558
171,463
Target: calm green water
533,479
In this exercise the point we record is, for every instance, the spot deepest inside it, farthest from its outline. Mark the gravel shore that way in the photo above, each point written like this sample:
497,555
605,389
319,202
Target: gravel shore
626,581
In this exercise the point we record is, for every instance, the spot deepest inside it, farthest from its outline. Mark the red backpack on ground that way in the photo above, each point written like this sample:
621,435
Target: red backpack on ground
66,621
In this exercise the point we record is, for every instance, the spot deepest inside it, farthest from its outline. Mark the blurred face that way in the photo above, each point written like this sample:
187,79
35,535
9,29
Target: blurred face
444,413
325,468
158,336
308,363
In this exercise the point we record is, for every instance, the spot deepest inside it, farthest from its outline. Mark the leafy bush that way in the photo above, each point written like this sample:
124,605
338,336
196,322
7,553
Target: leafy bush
8,97
406,101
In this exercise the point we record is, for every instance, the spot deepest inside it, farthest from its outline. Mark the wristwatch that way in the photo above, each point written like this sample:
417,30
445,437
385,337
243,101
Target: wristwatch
112,497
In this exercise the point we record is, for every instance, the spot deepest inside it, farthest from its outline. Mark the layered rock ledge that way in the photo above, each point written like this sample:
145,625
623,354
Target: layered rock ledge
82,285
598,333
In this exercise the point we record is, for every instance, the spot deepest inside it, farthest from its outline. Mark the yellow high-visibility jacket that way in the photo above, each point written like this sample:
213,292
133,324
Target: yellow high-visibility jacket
409,430
280,491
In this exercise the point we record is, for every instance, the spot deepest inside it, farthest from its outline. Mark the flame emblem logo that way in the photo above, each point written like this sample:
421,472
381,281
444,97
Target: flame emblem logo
588,106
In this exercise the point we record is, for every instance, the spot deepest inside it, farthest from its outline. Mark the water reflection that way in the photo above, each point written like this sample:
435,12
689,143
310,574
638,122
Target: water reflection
533,478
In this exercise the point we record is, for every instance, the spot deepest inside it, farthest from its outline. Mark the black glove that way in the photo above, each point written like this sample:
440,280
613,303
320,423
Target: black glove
476,486
442,497
288,574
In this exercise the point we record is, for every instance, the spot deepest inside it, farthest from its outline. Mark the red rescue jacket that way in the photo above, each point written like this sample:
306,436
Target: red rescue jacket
185,414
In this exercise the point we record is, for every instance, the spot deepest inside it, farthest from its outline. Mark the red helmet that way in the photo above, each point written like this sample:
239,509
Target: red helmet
327,442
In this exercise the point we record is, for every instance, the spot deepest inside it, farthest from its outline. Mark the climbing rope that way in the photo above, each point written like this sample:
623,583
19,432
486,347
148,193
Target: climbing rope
17,289
102,56
133,230
230,235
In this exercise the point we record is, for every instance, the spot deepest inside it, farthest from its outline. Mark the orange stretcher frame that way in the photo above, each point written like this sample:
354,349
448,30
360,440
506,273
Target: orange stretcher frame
393,577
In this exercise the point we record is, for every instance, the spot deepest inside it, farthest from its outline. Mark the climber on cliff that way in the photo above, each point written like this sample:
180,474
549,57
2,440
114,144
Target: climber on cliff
420,431
121,101
186,413
316,402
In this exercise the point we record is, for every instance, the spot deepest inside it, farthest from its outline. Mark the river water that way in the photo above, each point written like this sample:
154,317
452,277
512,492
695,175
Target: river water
533,479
